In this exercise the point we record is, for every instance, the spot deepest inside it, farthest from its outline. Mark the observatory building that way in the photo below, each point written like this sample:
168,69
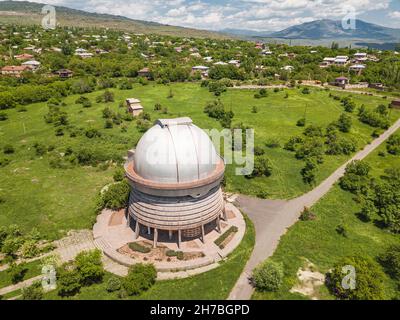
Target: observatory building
175,175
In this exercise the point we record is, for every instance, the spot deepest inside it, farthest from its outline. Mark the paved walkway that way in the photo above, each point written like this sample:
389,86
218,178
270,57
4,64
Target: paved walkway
273,217
19,285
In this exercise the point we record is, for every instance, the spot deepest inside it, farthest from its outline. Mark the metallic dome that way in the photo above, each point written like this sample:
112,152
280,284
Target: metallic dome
175,151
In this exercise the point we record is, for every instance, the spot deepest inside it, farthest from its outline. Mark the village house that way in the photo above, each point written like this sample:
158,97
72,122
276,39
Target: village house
235,63
145,73
341,60
84,55
266,52
341,82
220,63
288,68
14,71
134,106
64,73
202,69
357,68
32,64
326,62
24,56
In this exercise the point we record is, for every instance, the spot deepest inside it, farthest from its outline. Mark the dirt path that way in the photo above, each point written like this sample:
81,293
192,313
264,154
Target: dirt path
273,217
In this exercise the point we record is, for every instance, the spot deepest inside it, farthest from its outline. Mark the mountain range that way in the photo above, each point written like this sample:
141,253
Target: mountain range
326,29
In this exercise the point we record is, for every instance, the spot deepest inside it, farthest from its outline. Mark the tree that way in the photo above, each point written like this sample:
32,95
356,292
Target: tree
368,282
393,145
262,167
356,178
390,260
139,279
89,267
344,123
301,122
309,171
268,276
68,280
33,292
17,272
116,196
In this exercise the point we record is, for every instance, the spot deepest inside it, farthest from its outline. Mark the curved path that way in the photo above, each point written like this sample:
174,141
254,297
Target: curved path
273,217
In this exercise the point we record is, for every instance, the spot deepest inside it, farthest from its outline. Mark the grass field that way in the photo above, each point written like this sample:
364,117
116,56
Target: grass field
33,269
57,200
212,285
319,242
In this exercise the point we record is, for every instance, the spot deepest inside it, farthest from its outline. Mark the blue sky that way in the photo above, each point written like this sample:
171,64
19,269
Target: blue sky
267,15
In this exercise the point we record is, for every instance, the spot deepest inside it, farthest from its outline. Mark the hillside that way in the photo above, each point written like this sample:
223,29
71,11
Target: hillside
24,12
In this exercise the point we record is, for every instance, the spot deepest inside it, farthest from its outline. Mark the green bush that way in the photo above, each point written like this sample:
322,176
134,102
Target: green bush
116,196
268,276
68,280
29,249
3,116
89,266
138,247
113,284
17,272
390,260
393,145
219,241
33,292
139,279
368,279
307,215
178,254
8,149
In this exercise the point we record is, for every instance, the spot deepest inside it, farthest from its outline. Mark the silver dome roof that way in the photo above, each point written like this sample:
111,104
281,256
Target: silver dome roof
173,151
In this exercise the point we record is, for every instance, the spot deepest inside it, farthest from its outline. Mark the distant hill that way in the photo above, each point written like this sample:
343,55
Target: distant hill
325,29
24,12
332,29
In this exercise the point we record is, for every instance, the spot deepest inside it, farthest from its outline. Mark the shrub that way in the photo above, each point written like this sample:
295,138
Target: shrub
68,280
369,278
139,279
268,276
29,249
17,272
344,123
8,149
307,215
172,253
254,109
356,178
219,241
89,266
258,151
113,284
116,196
262,167
33,292
119,175
390,260
301,122
3,116
135,246
305,91
393,145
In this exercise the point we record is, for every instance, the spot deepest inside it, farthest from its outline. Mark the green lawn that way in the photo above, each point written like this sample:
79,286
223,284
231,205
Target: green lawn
318,241
57,200
34,269
212,285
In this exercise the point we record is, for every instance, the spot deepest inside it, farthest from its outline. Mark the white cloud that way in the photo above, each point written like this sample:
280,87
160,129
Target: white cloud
251,14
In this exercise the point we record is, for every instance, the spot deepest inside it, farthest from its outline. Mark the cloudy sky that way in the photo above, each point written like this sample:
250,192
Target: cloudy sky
269,15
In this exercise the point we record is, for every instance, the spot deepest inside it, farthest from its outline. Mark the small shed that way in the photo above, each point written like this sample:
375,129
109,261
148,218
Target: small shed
396,104
134,106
